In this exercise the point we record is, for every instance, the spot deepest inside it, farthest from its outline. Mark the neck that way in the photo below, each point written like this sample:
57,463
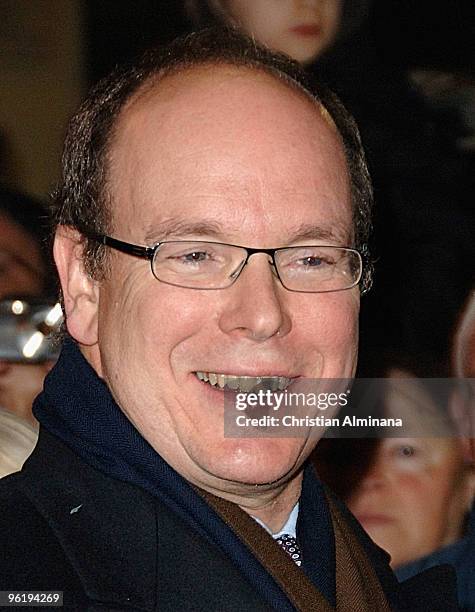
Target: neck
275,512
272,506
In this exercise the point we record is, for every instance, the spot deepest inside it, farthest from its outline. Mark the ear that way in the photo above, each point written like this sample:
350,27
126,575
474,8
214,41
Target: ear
80,291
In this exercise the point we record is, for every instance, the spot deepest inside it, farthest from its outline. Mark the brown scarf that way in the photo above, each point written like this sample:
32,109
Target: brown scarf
357,586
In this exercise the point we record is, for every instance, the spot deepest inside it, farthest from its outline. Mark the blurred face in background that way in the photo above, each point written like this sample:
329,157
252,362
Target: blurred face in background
416,492
415,496
302,29
19,385
21,265
21,274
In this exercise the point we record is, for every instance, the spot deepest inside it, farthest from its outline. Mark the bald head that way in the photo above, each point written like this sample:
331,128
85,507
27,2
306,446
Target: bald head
226,118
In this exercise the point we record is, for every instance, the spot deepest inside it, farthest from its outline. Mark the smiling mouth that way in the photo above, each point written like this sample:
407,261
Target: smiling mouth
244,384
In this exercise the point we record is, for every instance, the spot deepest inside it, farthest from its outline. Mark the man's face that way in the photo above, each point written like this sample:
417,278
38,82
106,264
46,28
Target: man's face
225,155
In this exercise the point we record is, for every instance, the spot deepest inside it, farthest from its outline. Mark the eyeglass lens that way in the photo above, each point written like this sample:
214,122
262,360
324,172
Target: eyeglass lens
211,265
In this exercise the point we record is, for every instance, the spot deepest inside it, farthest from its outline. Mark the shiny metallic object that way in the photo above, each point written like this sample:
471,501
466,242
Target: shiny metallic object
27,330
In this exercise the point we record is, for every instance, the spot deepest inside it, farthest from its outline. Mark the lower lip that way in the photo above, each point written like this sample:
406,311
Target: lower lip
374,520
308,31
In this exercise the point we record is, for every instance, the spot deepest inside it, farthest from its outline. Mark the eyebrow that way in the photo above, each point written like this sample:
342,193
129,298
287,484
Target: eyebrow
310,231
177,228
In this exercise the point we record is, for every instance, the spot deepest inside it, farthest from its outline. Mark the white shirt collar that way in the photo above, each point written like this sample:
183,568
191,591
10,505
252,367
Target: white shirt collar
290,526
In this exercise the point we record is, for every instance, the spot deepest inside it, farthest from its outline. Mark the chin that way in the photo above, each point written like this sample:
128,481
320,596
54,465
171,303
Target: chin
306,56
257,461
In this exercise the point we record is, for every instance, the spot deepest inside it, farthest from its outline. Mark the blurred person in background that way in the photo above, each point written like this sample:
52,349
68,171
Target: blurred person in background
17,440
414,494
422,242
22,256
460,554
25,274
302,30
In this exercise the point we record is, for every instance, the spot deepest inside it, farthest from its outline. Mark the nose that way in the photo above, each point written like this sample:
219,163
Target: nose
256,307
376,476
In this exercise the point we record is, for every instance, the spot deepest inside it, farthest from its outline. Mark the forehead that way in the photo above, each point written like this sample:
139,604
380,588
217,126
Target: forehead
226,134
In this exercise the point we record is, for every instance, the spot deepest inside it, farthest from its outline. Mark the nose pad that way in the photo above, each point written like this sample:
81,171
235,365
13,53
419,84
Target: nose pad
270,261
273,267
234,275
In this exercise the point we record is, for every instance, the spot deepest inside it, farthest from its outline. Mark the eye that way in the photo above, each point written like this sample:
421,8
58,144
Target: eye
406,451
192,258
312,262
314,259
195,256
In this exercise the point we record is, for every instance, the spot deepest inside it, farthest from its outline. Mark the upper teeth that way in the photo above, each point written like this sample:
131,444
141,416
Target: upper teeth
244,384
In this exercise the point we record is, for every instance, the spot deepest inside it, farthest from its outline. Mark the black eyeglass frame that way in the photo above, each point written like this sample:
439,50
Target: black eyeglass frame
148,252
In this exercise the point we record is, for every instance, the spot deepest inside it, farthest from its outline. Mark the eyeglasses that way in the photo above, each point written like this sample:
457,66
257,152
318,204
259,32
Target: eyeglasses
200,264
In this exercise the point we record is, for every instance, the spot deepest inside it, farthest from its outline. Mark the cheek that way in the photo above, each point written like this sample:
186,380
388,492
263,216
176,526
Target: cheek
332,322
415,491
343,315
423,500
336,310
157,324
263,18
125,324
325,334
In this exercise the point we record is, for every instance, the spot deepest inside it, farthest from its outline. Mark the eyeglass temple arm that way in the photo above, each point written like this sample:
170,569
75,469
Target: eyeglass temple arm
125,247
